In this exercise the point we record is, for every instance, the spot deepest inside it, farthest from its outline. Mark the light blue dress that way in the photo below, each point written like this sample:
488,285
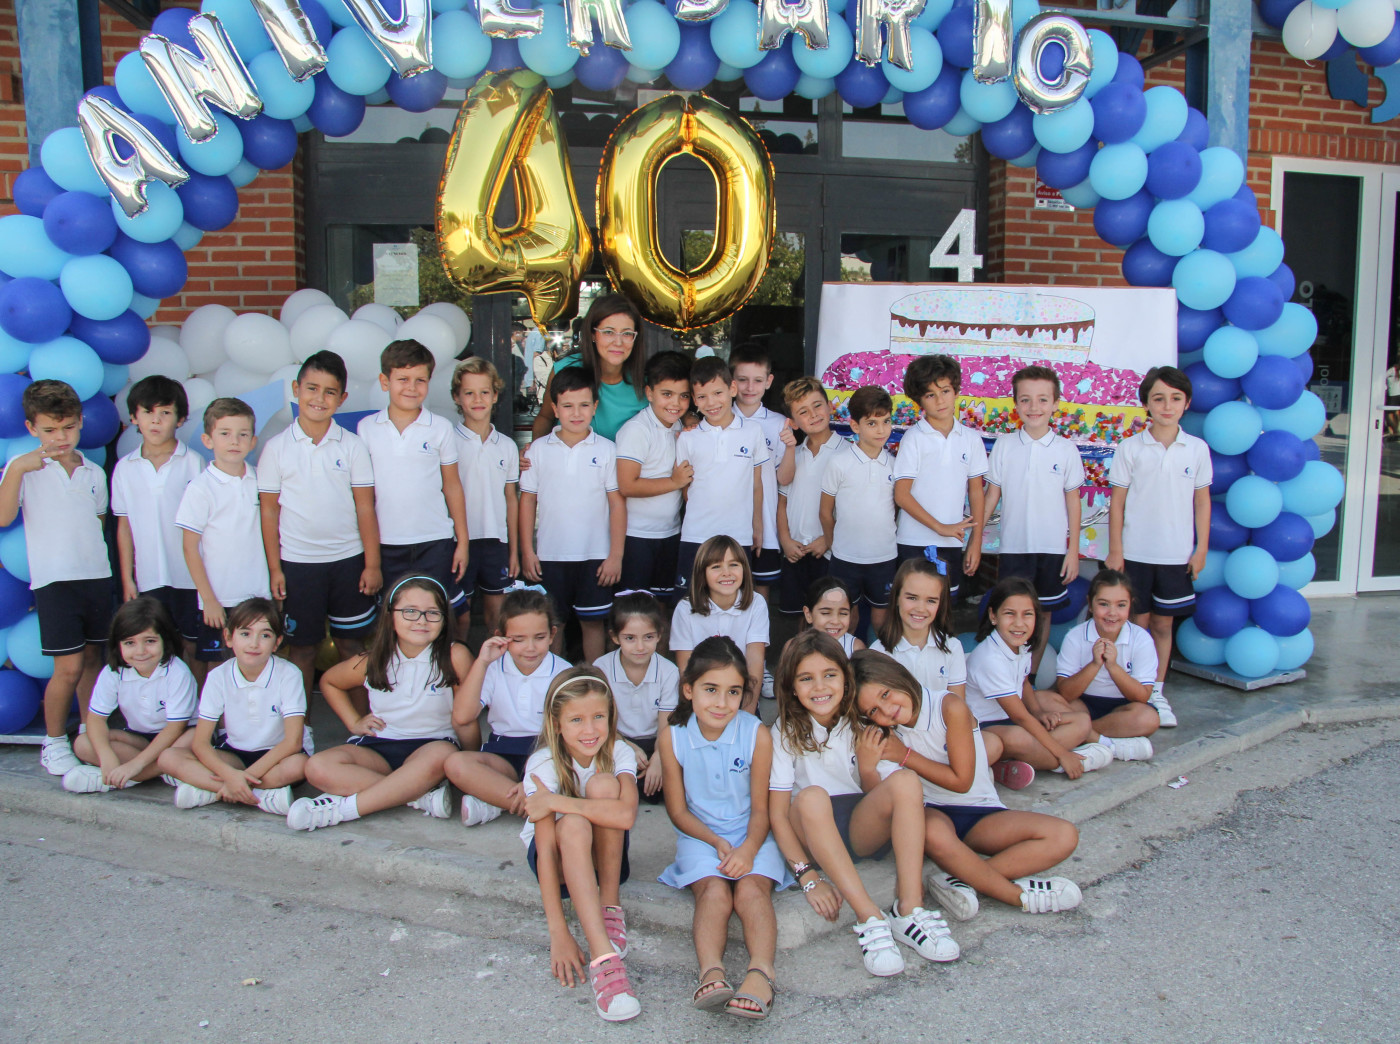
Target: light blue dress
717,780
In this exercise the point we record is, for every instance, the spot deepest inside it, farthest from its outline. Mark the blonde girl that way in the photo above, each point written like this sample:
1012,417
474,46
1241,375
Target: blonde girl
720,600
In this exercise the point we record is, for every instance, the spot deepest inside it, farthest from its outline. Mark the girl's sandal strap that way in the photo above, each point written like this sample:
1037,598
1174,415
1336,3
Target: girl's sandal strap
764,1007
712,994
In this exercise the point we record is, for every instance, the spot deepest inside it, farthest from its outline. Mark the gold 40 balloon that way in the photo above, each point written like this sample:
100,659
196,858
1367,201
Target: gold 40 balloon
508,128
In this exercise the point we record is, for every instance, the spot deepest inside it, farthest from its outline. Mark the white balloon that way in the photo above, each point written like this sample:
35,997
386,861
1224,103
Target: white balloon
233,380
458,319
359,343
440,395
119,400
128,440
312,327
435,334
163,358
297,304
357,397
1309,30
278,422
257,342
200,393
1365,23
170,333
379,315
202,336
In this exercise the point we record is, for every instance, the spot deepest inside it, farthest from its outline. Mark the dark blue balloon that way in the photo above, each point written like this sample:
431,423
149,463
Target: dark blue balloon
1246,195
107,93
1311,450
268,144
118,341
162,132
321,23
1209,390
1010,136
174,25
157,270
505,54
776,75
954,35
32,190
1282,612
335,113
12,387
1145,265
1288,537
1129,71
33,310
1061,170
1119,111
936,104
1277,456
1255,304
860,86
1276,12
695,63
1304,362
80,223
1231,225
1123,221
1339,47
1283,278
1193,326
1197,132
15,600
1219,611
1273,383
101,423
1173,169
601,69
1387,52
1225,533
1078,591
1225,470
210,203
417,93
1052,61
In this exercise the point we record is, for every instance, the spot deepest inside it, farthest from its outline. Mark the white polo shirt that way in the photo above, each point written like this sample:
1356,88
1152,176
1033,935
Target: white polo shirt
720,501
515,701
864,490
1159,521
1034,476
994,672
416,705
572,484
689,629
928,736
934,668
148,497
408,499
62,523
541,763
804,492
644,440
832,767
1137,654
772,425
313,482
147,704
638,705
253,710
940,467
223,510
485,468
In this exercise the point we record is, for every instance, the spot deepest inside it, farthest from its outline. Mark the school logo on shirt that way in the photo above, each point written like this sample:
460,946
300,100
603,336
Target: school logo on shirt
339,464
425,447
1186,471
275,709
743,451
739,765
1055,467
595,463
289,625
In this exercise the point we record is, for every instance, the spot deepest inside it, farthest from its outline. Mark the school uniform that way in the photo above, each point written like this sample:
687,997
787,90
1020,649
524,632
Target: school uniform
717,777
1034,475
148,498
486,467
766,565
940,468
653,523
514,703
416,708
541,764
995,672
832,767
803,496
415,528
572,518
863,549
321,551
1159,517
720,498
70,572
931,666
148,705
743,626
253,712
1137,654
638,705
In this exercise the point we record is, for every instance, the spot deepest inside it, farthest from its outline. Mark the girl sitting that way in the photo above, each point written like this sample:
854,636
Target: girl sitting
645,685
919,632
720,600
827,607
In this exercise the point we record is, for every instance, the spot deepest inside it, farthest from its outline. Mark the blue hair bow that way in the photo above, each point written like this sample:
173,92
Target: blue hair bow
931,553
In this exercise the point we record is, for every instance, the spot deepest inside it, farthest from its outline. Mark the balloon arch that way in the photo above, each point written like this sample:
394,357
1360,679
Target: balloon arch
81,275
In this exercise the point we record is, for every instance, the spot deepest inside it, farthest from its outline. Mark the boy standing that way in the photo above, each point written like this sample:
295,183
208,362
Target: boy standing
727,452
857,511
223,541
316,486
571,487
1159,516
939,471
651,480
63,496
1038,474
418,496
806,550
753,376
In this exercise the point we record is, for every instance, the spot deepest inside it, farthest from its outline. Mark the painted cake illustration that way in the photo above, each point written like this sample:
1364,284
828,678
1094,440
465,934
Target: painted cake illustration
967,322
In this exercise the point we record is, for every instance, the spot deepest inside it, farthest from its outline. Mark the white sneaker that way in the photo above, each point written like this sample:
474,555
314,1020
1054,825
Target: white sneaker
169,780
877,947
1165,715
926,933
187,795
314,813
767,691
1095,755
1048,894
475,811
275,801
1132,748
957,898
613,996
58,758
436,803
85,779
308,741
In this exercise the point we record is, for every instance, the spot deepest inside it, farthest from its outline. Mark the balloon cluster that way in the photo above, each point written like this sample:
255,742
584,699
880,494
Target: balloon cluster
1327,29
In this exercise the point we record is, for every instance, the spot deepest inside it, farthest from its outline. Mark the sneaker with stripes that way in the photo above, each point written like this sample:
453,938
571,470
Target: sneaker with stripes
957,898
1048,894
877,947
926,933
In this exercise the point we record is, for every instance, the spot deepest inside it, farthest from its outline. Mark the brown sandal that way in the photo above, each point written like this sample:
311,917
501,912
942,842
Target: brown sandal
712,994
763,1006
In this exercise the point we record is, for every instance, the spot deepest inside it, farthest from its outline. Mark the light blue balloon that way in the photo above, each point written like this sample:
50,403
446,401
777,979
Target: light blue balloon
187,237
893,96
727,73
988,102
302,124
1118,171
1250,571
4,643
379,97
441,7
1253,501
283,97
563,79
14,447
114,377
144,306
1026,160
70,360
340,14
1230,352
1185,359
1294,332
1104,50
1322,524
461,50
548,53
825,63
25,650
656,37
243,174
1081,196
927,62
1317,488
1204,279
96,286
356,67
1232,427
734,35
1198,647
930,18
1212,574
65,159
14,353
1065,130
1252,652
13,555
1333,4
636,74
26,250
1193,423
242,24
162,218
1222,174
1294,651
1305,418
1260,258
962,125
138,89
1176,227
1298,573
1022,11
1166,117
219,154
813,87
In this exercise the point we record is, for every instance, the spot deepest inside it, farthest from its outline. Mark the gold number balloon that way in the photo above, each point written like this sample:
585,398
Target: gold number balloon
745,217
508,127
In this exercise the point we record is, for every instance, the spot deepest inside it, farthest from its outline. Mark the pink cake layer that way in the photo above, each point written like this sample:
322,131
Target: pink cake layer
988,377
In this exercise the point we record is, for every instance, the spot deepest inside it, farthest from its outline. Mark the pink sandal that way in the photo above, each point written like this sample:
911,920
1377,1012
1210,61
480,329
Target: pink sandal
1013,775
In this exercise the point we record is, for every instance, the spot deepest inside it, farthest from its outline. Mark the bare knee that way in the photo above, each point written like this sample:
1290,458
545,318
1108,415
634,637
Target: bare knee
573,831
1160,626
714,891
319,769
905,784
810,802
602,786
939,836
1063,837
754,889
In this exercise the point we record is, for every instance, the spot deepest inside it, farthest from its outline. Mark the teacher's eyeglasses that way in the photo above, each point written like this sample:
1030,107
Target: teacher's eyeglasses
624,335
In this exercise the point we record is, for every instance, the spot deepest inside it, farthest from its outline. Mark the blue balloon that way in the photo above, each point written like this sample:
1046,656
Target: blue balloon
1250,572
1255,304
1338,47
355,66
1078,592
21,699
695,63
1294,332
1277,455
1294,651
15,599
1198,647
1387,52
80,223
1212,574
33,190
1253,502
505,54
115,377
862,87
1231,352
24,648
65,159
283,97
163,215
12,386
69,360
1231,428
162,132
1118,171
1300,572
1222,174
1011,136
1193,423
1304,364
1175,228
1276,12
1283,278
955,36
334,112
1252,653
13,553
1305,418
1220,612
1062,170
1173,169
269,144
734,35
1194,327
1066,130
1197,130
1225,533
1119,111
321,23
1317,488
1145,265
119,341
419,93
1226,470
1123,221
1204,279
96,287
1311,450
603,68
1231,225
776,75
1273,383
210,204
101,423
25,248
33,310
938,103
156,269
1209,390
1129,71
1288,537
1262,256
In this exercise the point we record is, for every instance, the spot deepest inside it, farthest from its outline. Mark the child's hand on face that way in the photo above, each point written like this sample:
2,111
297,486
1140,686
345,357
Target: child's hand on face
870,745
369,725
493,648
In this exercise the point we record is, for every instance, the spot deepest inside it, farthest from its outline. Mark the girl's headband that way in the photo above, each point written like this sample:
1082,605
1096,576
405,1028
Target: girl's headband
409,579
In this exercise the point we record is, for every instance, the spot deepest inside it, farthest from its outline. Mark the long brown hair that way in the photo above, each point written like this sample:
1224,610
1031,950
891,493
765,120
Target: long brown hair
567,686
1008,587
386,642
605,307
711,552
871,667
940,627
795,720
713,654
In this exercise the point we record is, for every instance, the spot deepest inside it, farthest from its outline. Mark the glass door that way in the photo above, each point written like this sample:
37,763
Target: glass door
1380,535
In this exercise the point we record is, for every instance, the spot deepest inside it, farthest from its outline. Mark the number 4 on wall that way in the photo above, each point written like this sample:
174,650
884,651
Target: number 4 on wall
963,232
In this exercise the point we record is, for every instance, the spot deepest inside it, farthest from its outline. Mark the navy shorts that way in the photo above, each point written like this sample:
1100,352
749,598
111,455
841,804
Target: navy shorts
248,757
797,577
842,805
1043,571
147,736
1166,590
515,749
532,857
871,581
431,558
488,569
685,564
395,751
182,603
766,565
322,592
649,564
964,817
73,613
951,556
995,721
209,643
1098,706
574,587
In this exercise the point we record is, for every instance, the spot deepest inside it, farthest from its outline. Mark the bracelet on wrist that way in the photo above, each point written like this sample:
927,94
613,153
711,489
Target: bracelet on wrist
905,760
811,884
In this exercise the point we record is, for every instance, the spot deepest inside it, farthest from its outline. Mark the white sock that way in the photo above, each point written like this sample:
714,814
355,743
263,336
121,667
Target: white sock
349,808
1157,688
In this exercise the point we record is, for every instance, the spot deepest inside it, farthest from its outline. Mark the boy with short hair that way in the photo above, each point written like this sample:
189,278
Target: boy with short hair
806,551
727,452
418,497
651,480
1159,516
223,539
857,511
488,464
753,376
147,486
1036,475
571,489
939,472
63,496
316,487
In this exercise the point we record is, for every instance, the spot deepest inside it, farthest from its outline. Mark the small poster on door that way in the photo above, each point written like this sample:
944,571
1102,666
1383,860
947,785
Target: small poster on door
396,274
